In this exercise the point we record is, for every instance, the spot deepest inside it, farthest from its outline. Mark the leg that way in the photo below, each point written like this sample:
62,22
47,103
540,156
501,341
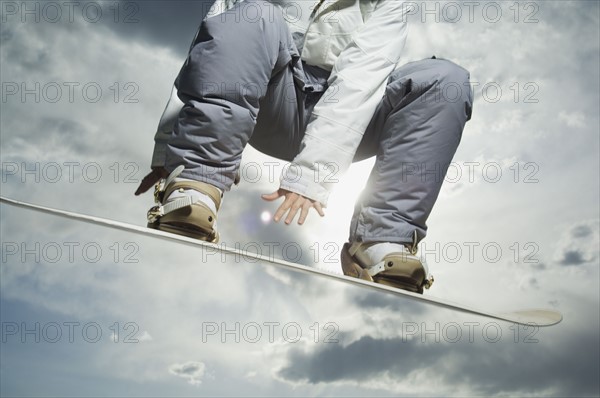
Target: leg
223,84
283,118
243,68
414,134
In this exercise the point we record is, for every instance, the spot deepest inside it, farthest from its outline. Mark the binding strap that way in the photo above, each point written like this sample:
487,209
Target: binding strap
212,192
166,187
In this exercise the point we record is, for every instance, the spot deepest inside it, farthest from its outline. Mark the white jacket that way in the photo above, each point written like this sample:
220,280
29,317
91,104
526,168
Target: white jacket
360,42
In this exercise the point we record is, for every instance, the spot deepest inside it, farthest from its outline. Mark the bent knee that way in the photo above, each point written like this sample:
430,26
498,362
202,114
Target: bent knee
449,72
435,82
432,72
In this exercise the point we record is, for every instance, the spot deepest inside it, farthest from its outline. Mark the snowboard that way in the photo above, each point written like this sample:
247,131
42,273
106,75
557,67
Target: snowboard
529,317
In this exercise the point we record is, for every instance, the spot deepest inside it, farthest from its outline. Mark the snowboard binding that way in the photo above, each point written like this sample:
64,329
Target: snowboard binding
401,270
182,215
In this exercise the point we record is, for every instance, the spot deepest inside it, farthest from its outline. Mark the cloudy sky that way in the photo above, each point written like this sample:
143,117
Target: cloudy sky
87,311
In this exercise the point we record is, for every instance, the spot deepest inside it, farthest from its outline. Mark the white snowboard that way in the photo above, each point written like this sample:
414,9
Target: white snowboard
535,317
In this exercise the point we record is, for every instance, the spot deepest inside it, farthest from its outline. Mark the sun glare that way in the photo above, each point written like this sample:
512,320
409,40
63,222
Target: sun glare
265,216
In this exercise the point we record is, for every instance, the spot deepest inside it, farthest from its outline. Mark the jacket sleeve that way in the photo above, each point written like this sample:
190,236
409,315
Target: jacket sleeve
165,129
356,86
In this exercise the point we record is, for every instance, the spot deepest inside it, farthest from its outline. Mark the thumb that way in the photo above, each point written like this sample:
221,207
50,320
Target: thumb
272,196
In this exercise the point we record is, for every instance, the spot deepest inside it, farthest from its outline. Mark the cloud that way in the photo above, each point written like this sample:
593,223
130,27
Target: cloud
145,336
573,257
385,304
578,244
172,283
573,119
477,368
170,24
192,371
581,231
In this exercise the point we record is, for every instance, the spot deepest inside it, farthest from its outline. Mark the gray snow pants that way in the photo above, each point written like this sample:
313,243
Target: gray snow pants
243,82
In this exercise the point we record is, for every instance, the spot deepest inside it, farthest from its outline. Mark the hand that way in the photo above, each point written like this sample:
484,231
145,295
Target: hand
292,203
151,179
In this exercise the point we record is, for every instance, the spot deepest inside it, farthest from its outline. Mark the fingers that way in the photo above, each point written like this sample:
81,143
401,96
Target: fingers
290,198
306,206
297,204
272,196
319,209
293,204
304,213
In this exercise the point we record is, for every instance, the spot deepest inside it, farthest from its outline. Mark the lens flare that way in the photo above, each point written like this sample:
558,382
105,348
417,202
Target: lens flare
265,217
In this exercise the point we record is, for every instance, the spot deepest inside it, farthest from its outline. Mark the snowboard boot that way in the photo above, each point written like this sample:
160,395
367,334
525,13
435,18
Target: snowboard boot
186,207
390,264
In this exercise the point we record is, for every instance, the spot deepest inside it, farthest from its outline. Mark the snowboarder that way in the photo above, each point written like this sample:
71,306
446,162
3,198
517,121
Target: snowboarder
319,92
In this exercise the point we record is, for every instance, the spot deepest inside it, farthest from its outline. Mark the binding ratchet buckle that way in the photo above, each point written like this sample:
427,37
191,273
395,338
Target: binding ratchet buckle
159,191
428,282
155,213
160,188
414,250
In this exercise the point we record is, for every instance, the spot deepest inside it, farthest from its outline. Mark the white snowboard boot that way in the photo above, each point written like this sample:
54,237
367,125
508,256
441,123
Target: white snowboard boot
186,207
390,264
